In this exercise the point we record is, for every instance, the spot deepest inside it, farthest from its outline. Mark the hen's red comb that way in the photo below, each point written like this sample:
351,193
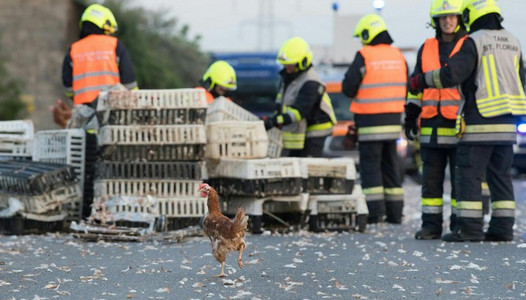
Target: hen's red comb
202,185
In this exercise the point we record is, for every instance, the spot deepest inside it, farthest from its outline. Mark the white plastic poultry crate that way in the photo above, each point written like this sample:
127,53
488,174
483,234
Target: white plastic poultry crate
236,139
66,146
152,99
152,107
42,203
328,176
143,187
152,135
16,138
222,109
182,207
125,208
275,142
266,168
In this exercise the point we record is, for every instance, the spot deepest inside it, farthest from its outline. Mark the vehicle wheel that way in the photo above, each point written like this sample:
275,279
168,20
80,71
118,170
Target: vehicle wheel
361,221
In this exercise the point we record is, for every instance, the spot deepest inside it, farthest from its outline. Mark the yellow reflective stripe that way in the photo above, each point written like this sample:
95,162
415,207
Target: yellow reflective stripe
517,68
293,140
321,126
373,190
494,75
453,202
444,131
394,191
296,113
328,102
411,96
432,201
486,75
92,131
503,204
426,130
379,129
475,205
491,128
279,119
485,185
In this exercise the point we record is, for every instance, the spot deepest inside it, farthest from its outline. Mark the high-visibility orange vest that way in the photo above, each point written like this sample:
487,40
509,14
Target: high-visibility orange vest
449,98
383,88
209,97
95,66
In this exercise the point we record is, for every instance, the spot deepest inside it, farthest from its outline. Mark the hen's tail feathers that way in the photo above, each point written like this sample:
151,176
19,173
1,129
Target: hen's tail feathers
241,220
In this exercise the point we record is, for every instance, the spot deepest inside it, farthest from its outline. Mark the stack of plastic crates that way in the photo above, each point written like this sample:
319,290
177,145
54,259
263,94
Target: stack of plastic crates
16,140
151,146
66,147
36,192
244,164
335,200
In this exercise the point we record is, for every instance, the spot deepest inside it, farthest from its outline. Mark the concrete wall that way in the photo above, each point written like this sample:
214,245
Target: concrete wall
35,35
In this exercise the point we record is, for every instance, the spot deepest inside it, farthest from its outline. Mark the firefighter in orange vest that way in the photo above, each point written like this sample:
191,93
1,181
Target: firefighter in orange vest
376,80
98,61
437,109
218,80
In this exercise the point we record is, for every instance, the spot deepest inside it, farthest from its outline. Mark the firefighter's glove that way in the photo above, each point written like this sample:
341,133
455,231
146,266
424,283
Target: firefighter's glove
351,138
417,84
411,129
269,122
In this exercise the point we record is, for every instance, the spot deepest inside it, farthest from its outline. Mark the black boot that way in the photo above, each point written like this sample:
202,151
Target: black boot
428,234
313,223
458,237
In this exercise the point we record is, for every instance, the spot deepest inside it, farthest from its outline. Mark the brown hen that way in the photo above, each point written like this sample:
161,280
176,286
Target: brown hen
225,234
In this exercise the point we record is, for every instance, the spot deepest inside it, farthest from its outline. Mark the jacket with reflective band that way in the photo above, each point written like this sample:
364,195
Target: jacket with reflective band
499,87
383,88
95,67
446,100
294,133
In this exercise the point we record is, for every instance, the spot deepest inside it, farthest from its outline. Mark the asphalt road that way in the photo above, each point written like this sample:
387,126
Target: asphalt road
386,262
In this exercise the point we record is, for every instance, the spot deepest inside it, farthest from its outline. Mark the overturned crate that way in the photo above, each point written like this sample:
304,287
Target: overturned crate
152,107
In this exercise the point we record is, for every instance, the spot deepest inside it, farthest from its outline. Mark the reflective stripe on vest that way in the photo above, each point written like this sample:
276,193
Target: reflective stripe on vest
445,135
95,66
499,87
294,134
447,99
379,133
490,132
383,88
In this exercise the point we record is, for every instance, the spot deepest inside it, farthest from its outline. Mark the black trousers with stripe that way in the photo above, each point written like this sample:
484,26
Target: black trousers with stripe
472,162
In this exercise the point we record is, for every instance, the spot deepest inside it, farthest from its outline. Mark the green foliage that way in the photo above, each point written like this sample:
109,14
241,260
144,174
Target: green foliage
163,55
11,106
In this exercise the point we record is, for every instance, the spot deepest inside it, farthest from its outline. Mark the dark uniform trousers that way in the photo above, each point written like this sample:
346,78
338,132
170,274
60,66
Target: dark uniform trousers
435,161
313,148
472,162
379,170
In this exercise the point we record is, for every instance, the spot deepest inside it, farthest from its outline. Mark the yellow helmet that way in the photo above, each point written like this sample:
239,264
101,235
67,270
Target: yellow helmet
442,8
220,73
295,51
474,9
100,16
368,27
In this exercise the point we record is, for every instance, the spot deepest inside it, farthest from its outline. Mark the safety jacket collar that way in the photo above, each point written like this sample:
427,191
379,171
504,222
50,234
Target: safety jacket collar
289,77
489,21
381,38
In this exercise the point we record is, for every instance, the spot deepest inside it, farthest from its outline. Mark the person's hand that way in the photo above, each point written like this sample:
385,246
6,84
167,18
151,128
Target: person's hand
351,138
417,84
61,113
411,129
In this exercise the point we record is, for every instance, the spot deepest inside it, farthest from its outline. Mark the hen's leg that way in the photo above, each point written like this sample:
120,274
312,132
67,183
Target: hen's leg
240,256
222,274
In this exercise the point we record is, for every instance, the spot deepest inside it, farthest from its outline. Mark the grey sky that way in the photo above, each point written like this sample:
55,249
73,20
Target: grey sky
231,25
